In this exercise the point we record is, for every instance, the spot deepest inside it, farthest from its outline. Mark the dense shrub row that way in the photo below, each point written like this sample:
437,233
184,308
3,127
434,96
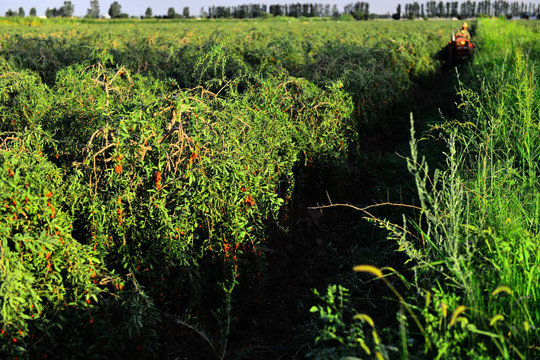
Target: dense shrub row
142,164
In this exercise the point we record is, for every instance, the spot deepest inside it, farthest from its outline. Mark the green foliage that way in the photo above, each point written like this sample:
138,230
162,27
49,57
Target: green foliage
373,76
342,334
473,242
478,229
23,100
44,269
142,165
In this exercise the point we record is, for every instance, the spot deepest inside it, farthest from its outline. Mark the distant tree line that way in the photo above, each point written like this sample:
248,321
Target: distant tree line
236,12
21,12
305,10
467,9
171,14
65,11
358,10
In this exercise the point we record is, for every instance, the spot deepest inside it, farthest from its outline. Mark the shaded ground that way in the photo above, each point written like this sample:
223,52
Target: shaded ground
271,319
322,247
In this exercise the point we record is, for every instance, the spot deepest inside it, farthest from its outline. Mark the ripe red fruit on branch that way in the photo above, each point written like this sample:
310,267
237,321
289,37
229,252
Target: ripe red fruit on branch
158,180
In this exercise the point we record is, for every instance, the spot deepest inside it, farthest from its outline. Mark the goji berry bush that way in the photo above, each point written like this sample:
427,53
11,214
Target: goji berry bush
141,165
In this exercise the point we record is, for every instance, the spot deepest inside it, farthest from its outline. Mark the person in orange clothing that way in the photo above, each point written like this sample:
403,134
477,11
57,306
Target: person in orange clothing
464,32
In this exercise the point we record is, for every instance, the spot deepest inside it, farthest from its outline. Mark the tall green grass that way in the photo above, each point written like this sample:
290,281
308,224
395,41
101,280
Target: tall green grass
479,253
474,244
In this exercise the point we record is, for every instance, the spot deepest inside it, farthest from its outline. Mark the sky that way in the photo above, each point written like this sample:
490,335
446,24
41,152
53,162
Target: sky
160,7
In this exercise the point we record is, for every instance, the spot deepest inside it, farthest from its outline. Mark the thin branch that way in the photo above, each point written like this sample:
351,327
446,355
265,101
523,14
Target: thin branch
364,209
199,332
370,215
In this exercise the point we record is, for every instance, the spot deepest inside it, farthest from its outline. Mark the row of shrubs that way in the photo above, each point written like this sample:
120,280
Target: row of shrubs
139,177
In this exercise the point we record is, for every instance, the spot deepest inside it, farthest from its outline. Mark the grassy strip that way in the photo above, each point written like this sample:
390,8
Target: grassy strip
480,220
475,244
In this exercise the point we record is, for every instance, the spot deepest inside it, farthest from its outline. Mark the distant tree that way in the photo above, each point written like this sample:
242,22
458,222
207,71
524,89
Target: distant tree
454,9
171,13
514,9
115,10
93,12
468,9
185,12
326,11
313,10
10,13
305,10
472,9
255,10
502,8
431,9
67,9
21,12
239,12
359,10
148,13
335,11
295,10
33,12
203,14
54,12
417,9
397,15
440,9
223,12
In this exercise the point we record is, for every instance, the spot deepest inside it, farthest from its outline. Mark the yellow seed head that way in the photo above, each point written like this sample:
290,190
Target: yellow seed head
370,269
496,318
500,289
365,318
460,309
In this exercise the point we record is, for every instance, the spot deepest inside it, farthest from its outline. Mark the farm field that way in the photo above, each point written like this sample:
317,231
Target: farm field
160,183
